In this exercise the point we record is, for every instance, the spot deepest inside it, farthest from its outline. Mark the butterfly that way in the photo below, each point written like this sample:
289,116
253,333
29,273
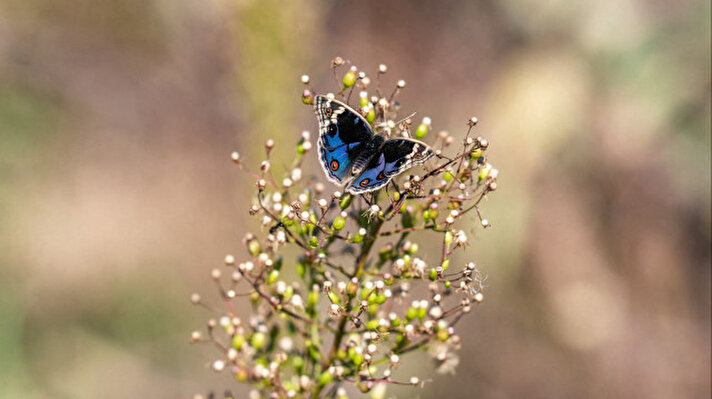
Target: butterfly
353,156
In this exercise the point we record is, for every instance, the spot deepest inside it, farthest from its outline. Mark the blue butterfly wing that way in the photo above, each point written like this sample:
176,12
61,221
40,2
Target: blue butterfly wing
344,137
394,157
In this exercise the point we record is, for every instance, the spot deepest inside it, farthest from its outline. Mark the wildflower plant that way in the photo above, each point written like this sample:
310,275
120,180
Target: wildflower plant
355,309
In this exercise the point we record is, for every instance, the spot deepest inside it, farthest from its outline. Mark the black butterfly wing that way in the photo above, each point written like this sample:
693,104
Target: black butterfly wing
344,136
394,157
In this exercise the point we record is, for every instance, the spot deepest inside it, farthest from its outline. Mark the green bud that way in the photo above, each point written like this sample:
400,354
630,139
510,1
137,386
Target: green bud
454,204
421,131
297,362
401,340
476,154
365,292
422,312
380,298
363,101
339,223
433,274
413,248
357,358
484,172
314,242
237,341
443,334
364,387
345,201
307,97
351,288
373,308
447,175
241,374
325,377
258,340
446,263
372,324
254,247
448,237
312,297
301,269
447,284
349,78
334,297
371,116
411,314
288,293
287,221
358,238
389,280
273,276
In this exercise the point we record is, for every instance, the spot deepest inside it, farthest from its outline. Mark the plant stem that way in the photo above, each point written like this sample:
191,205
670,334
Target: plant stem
368,242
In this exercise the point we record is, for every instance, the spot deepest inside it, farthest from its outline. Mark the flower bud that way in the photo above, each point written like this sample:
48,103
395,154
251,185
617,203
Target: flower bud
307,97
237,341
363,99
371,115
422,130
326,377
258,340
339,222
345,201
484,172
350,77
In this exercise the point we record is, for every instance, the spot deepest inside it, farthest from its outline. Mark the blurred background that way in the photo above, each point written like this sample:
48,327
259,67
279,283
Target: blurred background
117,195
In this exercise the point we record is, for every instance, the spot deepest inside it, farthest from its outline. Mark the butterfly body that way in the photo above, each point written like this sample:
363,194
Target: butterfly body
356,158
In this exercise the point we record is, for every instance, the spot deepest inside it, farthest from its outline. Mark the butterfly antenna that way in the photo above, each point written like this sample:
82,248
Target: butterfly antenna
406,118
384,124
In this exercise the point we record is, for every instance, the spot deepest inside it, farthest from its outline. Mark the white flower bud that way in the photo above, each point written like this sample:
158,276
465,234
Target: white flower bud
218,365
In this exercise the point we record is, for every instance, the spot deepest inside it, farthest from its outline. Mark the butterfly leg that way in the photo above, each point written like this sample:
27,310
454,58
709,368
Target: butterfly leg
395,186
369,198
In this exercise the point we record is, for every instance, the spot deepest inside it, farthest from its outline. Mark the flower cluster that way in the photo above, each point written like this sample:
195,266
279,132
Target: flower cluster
354,307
